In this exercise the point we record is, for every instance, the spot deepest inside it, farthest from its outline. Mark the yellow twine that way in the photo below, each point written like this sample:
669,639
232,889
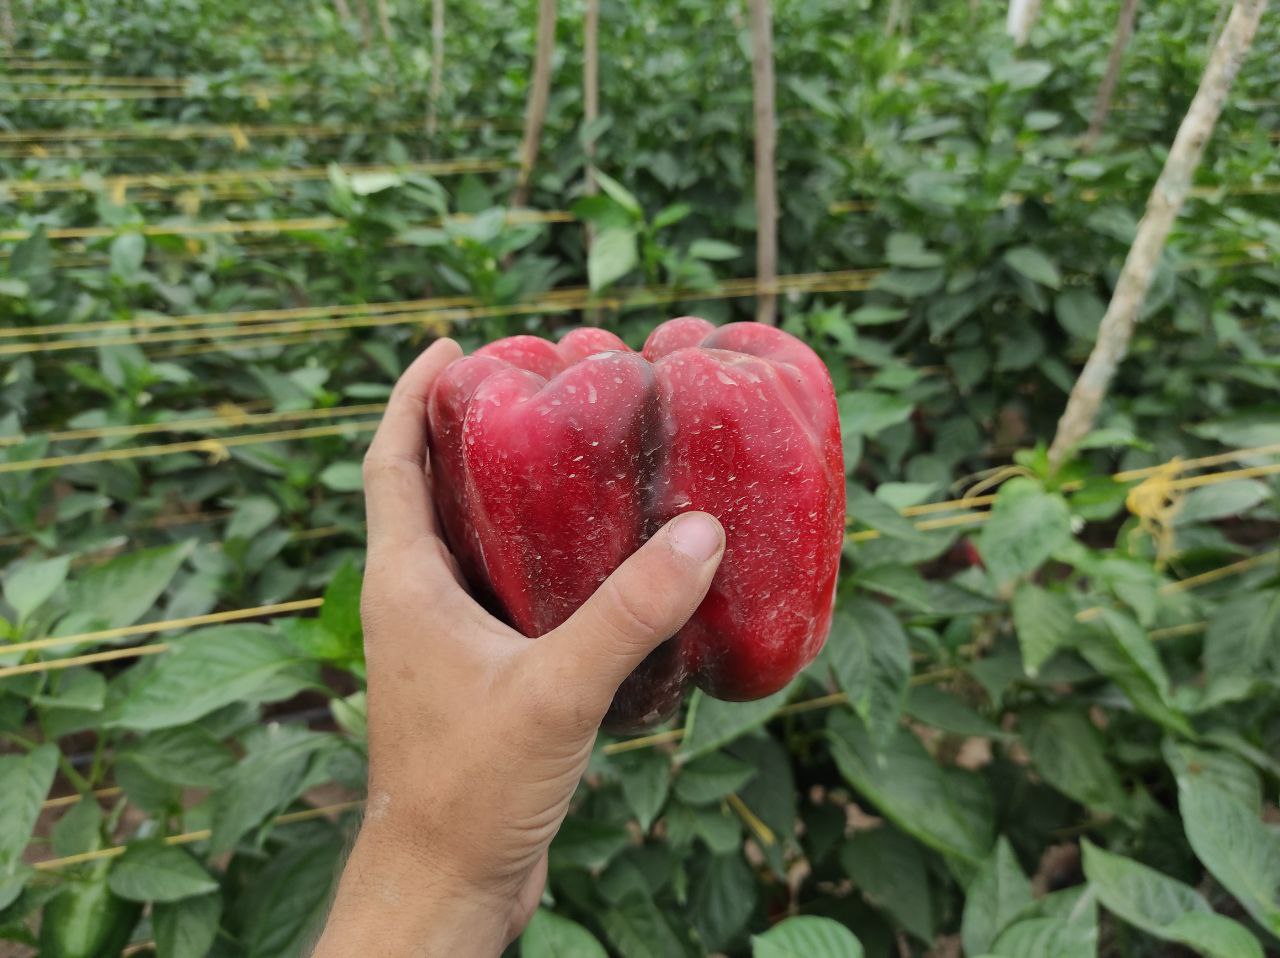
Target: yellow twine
572,299
227,417
123,182
165,625
317,224
233,130
215,447
187,838
1154,502
65,800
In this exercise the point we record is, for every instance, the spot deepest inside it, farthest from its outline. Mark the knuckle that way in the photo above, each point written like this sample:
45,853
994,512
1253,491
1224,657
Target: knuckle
377,465
632,614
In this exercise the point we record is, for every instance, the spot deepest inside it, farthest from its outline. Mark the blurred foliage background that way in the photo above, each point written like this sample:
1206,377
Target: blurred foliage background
1047,720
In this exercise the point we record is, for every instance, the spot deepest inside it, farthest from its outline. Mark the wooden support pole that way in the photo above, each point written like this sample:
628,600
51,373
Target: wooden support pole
8,29
437,64
762,85
1102,105
590,101
1163,205
384,22
366,30
539,92
1022,17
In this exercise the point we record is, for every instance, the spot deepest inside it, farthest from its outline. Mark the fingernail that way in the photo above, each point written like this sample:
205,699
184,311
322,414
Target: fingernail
696,535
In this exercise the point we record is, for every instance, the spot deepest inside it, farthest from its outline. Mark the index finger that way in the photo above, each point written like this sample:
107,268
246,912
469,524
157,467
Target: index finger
396,484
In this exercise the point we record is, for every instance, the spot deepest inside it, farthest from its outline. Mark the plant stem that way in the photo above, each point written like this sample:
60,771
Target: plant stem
1163,206
1102,105
539,92
762,84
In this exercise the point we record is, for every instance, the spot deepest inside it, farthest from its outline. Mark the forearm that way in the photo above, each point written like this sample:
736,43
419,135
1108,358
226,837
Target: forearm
391,905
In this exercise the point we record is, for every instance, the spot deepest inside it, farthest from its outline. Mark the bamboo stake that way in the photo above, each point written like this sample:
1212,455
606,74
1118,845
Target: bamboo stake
590,102
539,92
766,176
1022,17
344,11
437,64
366,30
1166,200
7,26
384,23
1102,105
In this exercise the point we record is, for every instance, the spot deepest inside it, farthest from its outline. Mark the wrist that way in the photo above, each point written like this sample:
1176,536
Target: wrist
391,897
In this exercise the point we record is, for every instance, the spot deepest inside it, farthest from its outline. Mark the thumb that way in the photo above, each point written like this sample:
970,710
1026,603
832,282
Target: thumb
642,604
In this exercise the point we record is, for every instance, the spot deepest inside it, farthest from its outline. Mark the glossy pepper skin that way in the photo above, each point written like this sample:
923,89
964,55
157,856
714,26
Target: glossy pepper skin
555,462
86,920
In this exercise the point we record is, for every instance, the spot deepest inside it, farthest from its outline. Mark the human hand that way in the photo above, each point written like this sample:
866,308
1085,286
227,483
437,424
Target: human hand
478,735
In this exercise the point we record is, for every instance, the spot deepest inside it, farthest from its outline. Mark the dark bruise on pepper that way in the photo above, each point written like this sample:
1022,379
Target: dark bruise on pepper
555,462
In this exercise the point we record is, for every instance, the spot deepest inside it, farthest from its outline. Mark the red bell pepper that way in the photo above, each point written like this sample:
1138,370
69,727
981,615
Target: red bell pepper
556,461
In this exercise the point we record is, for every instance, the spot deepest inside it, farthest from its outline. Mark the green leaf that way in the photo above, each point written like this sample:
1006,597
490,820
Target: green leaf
714,250
948,809
908,249
342,477
1163,906
80,689
282,906
618,193
121,590
1233,843
711,777
549,935
871,660
722,900
27,779
612,256
771,795
646,778
583,843
269,777
877,315
31,584
153,871
1069,753
1027,525
712,723
865,412
364,184
945,711
1035,265
1048,938
186,928
872,511
637,929
205,670
127,253
891,871
79,829
910,283
993,899
1044,622
1243,636
340,613
1120,649
1226,770
186,756
807,936
1079,312
1222,500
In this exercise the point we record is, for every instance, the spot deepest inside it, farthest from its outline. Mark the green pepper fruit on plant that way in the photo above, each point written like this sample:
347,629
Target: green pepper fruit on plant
87,920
